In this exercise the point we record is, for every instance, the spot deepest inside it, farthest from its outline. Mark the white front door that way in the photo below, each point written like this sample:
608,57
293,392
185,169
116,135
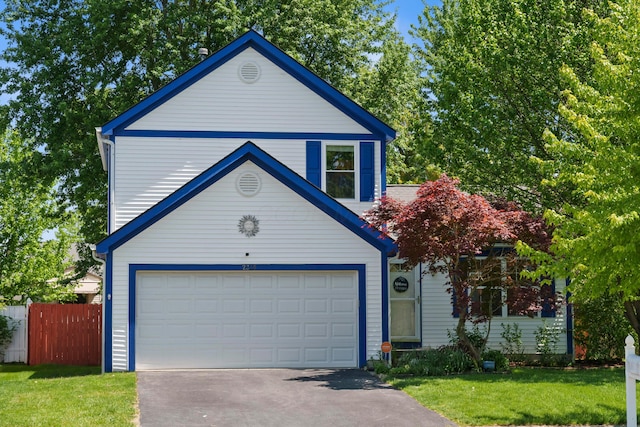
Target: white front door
404,295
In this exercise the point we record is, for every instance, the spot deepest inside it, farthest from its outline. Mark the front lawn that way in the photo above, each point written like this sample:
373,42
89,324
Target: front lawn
65,395
525,396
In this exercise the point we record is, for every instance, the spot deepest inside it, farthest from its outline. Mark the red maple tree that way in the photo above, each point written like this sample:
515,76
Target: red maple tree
470,240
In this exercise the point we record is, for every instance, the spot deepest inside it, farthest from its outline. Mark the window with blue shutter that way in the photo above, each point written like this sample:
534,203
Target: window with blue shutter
337,176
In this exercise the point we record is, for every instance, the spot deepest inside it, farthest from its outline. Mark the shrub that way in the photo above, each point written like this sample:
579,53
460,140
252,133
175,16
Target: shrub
7,327
511,344
547,338
433,362
601,327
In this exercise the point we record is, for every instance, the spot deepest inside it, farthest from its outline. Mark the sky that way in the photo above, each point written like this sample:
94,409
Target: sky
408,11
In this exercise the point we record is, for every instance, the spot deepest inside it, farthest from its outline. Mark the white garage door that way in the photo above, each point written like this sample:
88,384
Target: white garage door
246,319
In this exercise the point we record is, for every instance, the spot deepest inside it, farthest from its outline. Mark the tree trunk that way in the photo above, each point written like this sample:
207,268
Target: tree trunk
466,343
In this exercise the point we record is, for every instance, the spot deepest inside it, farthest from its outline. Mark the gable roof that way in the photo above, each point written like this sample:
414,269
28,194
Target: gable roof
252,39
249,152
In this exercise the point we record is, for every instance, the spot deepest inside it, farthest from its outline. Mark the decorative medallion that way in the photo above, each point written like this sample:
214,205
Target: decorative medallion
400,284
249,225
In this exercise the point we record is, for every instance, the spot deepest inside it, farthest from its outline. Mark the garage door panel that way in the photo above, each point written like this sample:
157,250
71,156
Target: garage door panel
289,330
260,281
289,306
316,282
262,306
234,306
261,331
289,282
243,320
204,330
206,306
233,282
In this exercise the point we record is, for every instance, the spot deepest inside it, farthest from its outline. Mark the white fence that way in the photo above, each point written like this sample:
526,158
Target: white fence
632,374
17,349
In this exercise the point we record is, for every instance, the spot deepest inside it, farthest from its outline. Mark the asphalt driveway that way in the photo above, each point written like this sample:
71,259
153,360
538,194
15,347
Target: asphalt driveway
276,397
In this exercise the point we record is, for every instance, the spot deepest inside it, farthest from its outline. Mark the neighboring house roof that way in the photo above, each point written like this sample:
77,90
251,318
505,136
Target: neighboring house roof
251,39
403,192
250,152
88,284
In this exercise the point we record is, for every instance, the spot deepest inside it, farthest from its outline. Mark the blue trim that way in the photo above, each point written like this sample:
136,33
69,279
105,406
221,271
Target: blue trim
109,172
246,135
421,304
107,334
383,169
454,299
569,315
367,171
251,39
314,163
547,309
359,268
250,152
385,297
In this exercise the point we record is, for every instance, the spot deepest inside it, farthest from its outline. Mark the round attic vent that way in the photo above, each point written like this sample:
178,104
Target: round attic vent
249,72
248,184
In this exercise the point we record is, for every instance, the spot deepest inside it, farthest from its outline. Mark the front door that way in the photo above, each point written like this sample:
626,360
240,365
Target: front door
404,295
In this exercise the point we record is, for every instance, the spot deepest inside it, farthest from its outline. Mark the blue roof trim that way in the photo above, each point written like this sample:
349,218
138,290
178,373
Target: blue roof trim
256,41
249,135
250,152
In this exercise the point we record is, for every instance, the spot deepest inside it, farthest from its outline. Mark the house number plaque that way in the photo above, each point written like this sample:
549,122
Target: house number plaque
400,284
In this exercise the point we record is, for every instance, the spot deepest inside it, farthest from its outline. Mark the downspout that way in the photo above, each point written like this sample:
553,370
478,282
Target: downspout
100,260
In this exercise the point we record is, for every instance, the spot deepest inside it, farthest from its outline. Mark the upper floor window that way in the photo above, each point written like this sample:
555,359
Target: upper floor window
344,170
340,173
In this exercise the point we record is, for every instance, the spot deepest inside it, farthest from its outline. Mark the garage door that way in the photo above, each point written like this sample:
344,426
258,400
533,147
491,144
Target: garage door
246,319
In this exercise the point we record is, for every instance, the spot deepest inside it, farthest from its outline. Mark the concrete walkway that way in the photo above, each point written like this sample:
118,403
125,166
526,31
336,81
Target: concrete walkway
276,397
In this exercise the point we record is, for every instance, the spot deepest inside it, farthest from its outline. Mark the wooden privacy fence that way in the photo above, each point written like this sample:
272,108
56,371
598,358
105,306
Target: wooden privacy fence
65,334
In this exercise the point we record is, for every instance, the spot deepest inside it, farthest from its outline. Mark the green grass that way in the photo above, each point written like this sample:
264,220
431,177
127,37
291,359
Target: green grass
524,397
49,395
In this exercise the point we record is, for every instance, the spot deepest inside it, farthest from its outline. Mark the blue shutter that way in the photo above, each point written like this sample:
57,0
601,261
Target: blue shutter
314,163
548,291
367,175
454,299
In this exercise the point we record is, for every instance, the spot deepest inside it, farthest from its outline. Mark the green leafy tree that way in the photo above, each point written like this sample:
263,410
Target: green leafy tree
596,241
392,91
493,86
30,267
71,65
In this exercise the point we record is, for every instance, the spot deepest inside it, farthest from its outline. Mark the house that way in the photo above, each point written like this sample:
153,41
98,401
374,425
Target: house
234,234
88,287
428,317
234,231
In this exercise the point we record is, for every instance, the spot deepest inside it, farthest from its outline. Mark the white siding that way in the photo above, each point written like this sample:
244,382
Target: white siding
437,318
205,231
149,169
220,101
